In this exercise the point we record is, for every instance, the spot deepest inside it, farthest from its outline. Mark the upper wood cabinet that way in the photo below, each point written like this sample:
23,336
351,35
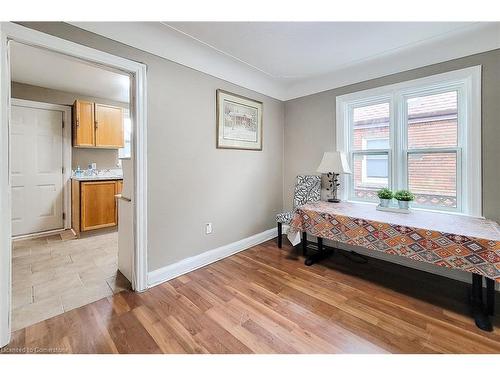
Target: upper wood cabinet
97,125
83,124
108,126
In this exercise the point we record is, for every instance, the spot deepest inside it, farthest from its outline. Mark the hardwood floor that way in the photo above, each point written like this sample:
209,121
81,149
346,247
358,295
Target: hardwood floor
265,300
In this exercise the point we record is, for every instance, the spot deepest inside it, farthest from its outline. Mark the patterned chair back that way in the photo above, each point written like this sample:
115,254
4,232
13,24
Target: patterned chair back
307,190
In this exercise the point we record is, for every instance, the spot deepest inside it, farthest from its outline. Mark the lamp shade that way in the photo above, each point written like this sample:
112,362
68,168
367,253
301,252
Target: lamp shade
334,161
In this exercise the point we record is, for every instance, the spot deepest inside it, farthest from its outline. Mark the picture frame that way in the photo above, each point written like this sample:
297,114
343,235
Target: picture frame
239,122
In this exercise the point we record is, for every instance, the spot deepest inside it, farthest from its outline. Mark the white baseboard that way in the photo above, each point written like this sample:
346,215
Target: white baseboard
38,234
190,264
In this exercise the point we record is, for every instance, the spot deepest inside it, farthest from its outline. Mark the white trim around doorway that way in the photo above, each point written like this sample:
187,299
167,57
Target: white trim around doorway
138,107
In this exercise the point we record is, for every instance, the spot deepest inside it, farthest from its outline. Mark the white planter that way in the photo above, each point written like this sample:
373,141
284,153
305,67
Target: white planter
385,202
404,204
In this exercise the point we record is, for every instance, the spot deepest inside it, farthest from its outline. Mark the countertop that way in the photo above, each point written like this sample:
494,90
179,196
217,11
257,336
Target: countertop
97,178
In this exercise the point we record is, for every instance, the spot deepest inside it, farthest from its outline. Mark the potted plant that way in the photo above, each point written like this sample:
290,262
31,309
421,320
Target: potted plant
404,197
385,195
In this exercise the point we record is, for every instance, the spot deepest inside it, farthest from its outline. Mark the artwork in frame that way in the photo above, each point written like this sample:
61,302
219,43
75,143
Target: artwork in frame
239,122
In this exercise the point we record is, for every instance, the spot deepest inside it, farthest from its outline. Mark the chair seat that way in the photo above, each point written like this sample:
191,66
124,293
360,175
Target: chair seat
284,217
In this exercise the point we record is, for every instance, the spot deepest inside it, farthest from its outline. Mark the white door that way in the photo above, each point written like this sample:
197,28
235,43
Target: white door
36,170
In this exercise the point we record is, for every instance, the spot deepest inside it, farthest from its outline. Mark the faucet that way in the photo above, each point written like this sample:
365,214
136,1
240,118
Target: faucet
92,170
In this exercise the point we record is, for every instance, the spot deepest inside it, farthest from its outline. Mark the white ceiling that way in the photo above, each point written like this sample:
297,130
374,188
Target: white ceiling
291,50
286,60
39,67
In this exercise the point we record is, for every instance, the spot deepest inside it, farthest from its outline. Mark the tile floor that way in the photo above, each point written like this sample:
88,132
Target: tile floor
57,273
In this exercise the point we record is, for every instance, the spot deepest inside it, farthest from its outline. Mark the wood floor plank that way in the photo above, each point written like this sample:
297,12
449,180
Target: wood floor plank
184,337
156,328
322,326
246,334
265,300
130,336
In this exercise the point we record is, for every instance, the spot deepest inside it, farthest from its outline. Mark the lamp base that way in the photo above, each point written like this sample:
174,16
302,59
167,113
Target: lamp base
334,200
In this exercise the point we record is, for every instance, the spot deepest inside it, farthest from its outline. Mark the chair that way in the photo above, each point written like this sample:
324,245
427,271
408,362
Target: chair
307,190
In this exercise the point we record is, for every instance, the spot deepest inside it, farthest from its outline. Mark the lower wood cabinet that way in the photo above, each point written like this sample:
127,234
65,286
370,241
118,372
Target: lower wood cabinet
119,186
94,205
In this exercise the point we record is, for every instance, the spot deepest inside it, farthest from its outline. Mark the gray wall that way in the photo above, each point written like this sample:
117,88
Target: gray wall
310,125
190,182
80,156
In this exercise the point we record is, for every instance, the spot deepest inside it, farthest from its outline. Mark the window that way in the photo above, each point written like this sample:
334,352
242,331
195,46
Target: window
422,135
432,149
125,152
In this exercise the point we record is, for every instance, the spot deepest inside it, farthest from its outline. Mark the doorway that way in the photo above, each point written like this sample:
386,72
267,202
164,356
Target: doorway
56,271
137,73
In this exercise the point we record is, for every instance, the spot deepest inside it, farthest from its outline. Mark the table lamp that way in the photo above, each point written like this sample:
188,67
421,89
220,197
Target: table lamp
334,163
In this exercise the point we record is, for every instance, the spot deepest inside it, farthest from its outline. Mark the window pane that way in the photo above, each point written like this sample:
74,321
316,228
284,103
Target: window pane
433,179
432,120
370,174
377,143
371,123
125,152
376,167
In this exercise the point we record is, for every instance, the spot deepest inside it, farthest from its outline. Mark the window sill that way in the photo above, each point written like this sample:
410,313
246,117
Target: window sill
424,209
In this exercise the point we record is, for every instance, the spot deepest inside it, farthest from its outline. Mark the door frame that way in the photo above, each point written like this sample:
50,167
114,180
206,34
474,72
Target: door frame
138,109
66,154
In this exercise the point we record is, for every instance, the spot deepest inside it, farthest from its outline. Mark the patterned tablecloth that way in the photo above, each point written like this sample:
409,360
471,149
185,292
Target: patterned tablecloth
445,240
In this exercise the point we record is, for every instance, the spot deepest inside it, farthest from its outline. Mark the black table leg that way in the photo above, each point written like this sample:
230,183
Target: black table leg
317,256
280,235
478,310
490,296
304,243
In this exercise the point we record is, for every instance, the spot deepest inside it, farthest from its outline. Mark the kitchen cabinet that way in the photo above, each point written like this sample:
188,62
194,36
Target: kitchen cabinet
94,205
108,126
83,124
119,186
97,125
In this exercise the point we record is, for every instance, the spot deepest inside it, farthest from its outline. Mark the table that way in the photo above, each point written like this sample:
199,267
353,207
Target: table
445,240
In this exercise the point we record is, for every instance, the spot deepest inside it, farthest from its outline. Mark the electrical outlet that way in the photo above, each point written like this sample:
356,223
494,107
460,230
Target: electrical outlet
208,228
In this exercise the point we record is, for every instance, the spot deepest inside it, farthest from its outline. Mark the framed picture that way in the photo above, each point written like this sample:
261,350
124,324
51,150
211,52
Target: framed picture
239,122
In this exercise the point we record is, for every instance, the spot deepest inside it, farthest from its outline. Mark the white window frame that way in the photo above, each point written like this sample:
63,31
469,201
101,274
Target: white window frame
468,84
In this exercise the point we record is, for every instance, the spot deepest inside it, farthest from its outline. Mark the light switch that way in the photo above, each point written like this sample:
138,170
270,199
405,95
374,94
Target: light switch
208,228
